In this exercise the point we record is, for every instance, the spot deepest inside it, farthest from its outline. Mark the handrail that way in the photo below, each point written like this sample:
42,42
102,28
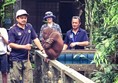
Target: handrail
56,72
79,51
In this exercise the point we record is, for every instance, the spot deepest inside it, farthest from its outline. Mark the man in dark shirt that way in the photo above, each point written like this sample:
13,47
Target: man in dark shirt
76,38
20,39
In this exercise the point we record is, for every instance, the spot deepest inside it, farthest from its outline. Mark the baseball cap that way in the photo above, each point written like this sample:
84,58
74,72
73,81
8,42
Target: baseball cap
21,12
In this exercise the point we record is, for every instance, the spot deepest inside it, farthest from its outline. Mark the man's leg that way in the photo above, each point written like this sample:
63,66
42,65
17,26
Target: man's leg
15,72
28,73
4,67
4,77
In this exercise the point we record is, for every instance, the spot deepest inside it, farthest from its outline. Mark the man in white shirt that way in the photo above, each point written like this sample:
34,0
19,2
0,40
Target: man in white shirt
3,54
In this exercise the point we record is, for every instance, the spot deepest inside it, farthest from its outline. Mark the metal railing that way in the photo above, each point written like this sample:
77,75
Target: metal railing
55,72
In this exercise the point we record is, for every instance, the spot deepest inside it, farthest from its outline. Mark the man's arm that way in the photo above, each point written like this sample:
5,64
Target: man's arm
4,35
84,43
65,46
38,44
17,46
5,40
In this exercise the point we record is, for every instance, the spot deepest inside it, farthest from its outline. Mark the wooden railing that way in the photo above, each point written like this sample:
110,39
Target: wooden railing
55,72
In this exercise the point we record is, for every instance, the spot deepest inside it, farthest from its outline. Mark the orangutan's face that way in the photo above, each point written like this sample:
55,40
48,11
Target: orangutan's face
46,33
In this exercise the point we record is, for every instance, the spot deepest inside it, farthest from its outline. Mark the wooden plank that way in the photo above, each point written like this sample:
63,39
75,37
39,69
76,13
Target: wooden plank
75,75
78,51
82,67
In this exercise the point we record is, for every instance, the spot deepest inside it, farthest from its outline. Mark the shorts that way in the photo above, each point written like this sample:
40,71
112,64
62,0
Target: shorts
3,63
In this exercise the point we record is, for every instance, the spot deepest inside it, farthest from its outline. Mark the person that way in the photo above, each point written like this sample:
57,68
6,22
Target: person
3,54
76,38
21,35
49,22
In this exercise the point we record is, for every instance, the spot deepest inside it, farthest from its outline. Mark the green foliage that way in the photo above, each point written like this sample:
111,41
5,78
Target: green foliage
106,45
116,79
102,18
106,74
105,37
2,8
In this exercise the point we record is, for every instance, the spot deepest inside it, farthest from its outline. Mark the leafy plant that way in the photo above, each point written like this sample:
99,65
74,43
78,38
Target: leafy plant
102,17
105,74
105,37
4,15
116,79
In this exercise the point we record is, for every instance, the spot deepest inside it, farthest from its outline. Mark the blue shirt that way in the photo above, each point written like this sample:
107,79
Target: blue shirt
21,36
80,36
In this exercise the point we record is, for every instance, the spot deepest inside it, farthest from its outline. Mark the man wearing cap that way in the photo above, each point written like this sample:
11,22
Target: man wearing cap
21,35
49,17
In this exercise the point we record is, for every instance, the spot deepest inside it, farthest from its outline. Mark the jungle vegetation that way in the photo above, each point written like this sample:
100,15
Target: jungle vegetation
102,21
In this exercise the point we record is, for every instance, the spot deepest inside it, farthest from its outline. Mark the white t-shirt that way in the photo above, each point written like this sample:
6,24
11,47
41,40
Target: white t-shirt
3,46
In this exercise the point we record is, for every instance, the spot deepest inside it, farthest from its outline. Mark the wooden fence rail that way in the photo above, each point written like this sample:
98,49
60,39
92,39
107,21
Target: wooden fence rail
55,72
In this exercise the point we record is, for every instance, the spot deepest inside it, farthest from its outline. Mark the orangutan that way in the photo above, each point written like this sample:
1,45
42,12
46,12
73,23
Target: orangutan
52,42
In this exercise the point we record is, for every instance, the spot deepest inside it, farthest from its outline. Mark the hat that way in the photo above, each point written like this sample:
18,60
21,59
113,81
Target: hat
49,14
21,12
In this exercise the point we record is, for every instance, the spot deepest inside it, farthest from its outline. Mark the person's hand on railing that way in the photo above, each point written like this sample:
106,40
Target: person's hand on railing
43,51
